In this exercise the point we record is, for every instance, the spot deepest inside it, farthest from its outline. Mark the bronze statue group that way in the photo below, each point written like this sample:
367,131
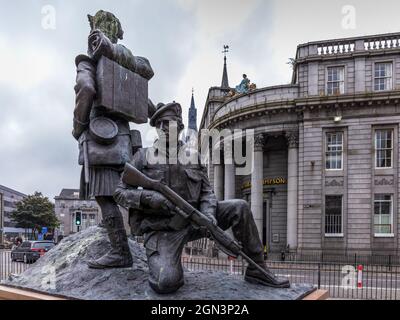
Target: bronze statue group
107,147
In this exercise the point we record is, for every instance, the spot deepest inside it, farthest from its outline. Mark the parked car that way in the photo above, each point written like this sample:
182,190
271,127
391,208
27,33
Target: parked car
30,251
6,245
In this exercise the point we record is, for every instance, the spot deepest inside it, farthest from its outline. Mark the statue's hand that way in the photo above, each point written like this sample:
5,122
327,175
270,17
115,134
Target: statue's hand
99,45
156,201
210,216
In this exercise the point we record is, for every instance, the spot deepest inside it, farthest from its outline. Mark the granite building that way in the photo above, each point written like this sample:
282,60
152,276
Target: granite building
68,205
8,200
325,172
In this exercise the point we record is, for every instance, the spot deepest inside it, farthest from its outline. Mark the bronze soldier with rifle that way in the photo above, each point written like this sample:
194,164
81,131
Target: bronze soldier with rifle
173,203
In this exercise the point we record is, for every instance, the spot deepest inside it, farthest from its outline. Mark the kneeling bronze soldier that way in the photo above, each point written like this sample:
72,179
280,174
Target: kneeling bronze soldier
165,232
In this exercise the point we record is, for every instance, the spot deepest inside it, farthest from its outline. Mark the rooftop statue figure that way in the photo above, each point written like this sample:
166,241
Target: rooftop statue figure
243,87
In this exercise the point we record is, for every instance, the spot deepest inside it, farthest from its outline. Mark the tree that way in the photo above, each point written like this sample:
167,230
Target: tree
34,212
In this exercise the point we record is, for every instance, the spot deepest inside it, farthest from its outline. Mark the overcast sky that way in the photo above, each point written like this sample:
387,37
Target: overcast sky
183,40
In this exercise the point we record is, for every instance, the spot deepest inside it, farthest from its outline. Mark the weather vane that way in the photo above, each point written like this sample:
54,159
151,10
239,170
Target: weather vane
226,50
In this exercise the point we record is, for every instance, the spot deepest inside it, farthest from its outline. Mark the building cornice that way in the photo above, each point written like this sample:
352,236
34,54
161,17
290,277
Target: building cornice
365,98
300,105
347,56
394,35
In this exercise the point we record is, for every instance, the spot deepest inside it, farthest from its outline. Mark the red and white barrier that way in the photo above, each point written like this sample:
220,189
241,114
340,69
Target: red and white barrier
359,276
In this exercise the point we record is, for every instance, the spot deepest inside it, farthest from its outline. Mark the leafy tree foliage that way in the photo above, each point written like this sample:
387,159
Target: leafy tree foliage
34,212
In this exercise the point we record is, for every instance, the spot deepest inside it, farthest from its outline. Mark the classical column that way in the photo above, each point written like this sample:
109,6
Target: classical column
229,174
292,183
229,182
257,177
219,181
209,164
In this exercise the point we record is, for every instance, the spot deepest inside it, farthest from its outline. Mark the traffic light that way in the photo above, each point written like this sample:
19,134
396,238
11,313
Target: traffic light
78,218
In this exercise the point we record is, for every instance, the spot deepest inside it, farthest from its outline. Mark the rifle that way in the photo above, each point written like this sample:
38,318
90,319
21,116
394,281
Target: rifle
135,178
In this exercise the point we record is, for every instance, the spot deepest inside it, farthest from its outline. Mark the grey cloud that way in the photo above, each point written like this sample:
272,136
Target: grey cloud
45,156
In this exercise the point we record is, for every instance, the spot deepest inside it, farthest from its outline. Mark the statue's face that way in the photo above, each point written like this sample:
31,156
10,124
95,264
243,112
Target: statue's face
164,125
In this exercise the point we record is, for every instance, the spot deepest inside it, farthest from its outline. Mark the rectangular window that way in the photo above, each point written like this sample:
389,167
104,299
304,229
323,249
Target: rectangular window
333,215
334,151
335,83
84,221
383,211
383,148
92,220
383,76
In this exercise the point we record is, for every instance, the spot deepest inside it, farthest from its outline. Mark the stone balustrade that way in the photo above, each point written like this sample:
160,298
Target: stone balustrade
383,42
336,48
275,94
349,45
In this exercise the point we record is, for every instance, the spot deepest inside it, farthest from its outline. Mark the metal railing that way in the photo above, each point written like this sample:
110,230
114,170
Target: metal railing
8,267
343,281
325,257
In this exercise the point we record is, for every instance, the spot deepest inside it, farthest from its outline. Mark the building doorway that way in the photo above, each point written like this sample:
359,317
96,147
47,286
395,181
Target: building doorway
266,236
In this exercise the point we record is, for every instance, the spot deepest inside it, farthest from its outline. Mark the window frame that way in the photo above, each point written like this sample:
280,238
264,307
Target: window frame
343,81
384,235
341,233
386,77
376,149
326,150
92,219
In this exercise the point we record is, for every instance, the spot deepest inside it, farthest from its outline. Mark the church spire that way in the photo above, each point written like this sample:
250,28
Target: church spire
192,114
225,81
192,105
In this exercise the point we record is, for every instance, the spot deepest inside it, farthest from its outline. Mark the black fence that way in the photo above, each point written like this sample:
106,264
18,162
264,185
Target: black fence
8,267
343,281
352,258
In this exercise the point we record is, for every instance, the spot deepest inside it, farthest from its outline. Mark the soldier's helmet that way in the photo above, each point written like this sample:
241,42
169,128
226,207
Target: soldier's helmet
170,111
107,23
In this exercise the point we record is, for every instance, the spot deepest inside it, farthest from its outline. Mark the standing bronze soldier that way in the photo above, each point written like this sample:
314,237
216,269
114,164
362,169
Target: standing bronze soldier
166,232
104,136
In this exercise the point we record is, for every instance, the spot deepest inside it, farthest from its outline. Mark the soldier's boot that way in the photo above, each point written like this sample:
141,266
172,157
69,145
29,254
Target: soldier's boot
253,275
119,256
